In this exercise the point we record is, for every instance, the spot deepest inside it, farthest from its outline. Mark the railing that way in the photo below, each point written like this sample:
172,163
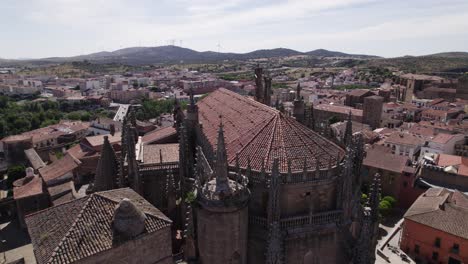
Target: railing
323,176
302,221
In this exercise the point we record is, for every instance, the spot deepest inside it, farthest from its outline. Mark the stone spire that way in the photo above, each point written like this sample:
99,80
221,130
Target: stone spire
177,113
274,210
133,170
107,168
184,159
298,92
221,166
267,91
259,84
192,100
274,254
171,193
359,154
132,116
364,252
311,118
348,135
123,153
299,106
192,108
374,197
347,186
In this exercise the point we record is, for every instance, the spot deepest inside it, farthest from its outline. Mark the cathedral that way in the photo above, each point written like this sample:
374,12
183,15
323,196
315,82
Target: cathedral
247,183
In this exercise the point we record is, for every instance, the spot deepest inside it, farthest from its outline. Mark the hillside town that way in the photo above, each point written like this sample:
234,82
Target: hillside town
277,164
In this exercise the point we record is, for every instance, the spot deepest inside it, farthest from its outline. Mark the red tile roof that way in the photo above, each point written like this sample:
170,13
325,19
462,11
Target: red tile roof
404,138
381,157
461,163
154,152
59,168
27,187
341,109
261,133
442,210
81,228
158,135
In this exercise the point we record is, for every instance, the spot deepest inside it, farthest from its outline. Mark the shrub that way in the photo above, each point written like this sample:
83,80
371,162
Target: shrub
390,200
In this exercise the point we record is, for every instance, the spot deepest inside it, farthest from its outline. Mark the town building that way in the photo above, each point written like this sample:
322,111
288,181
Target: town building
116,226
404,143
442,143
434,227
448,171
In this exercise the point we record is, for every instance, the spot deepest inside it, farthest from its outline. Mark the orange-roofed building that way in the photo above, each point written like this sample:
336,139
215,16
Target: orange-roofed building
30,195
435,229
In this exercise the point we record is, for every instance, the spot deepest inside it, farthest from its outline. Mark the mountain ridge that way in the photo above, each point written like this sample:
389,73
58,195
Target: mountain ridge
165,54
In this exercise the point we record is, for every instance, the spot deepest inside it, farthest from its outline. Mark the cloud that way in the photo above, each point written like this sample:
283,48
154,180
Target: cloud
67,27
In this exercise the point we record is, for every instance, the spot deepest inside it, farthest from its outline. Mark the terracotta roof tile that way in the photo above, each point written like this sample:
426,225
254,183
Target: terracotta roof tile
381,157
159,134
154,152
59,168
341,109
442,210
27,187
75,230
34,159
404,138
261,133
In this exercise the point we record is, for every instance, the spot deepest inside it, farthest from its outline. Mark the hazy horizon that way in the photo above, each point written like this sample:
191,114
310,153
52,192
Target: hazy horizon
65,28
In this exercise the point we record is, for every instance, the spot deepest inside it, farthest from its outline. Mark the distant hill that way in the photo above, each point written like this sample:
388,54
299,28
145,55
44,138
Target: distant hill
328,53
174,54
454,62
455,54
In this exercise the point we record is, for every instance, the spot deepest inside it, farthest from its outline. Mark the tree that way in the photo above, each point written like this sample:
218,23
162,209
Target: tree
333,120
391,200
15,172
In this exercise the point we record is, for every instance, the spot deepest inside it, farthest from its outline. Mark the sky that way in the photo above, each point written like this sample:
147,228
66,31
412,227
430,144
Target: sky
389,28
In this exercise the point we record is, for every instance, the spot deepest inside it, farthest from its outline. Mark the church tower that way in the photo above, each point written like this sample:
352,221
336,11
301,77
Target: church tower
222,216
299,106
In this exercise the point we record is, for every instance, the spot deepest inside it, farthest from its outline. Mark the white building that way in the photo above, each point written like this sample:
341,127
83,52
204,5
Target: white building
442,143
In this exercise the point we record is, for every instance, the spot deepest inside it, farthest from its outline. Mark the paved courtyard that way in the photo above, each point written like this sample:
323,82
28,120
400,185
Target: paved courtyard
388,250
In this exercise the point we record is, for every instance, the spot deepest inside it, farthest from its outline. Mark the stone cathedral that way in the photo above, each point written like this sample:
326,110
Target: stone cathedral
252,184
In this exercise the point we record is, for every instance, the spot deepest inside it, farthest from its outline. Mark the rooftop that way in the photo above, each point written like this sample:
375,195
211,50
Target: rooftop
443,210
338,109
457,162
74,230
59,168
160,153
405,138
27,187
260,133
158,135
381,157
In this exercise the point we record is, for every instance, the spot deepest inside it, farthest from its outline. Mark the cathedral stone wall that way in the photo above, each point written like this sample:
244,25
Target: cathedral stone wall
321,247
222,236
299,199
296,199
149,249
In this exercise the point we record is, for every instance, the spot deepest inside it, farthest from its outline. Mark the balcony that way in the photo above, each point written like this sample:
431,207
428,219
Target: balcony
331,217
